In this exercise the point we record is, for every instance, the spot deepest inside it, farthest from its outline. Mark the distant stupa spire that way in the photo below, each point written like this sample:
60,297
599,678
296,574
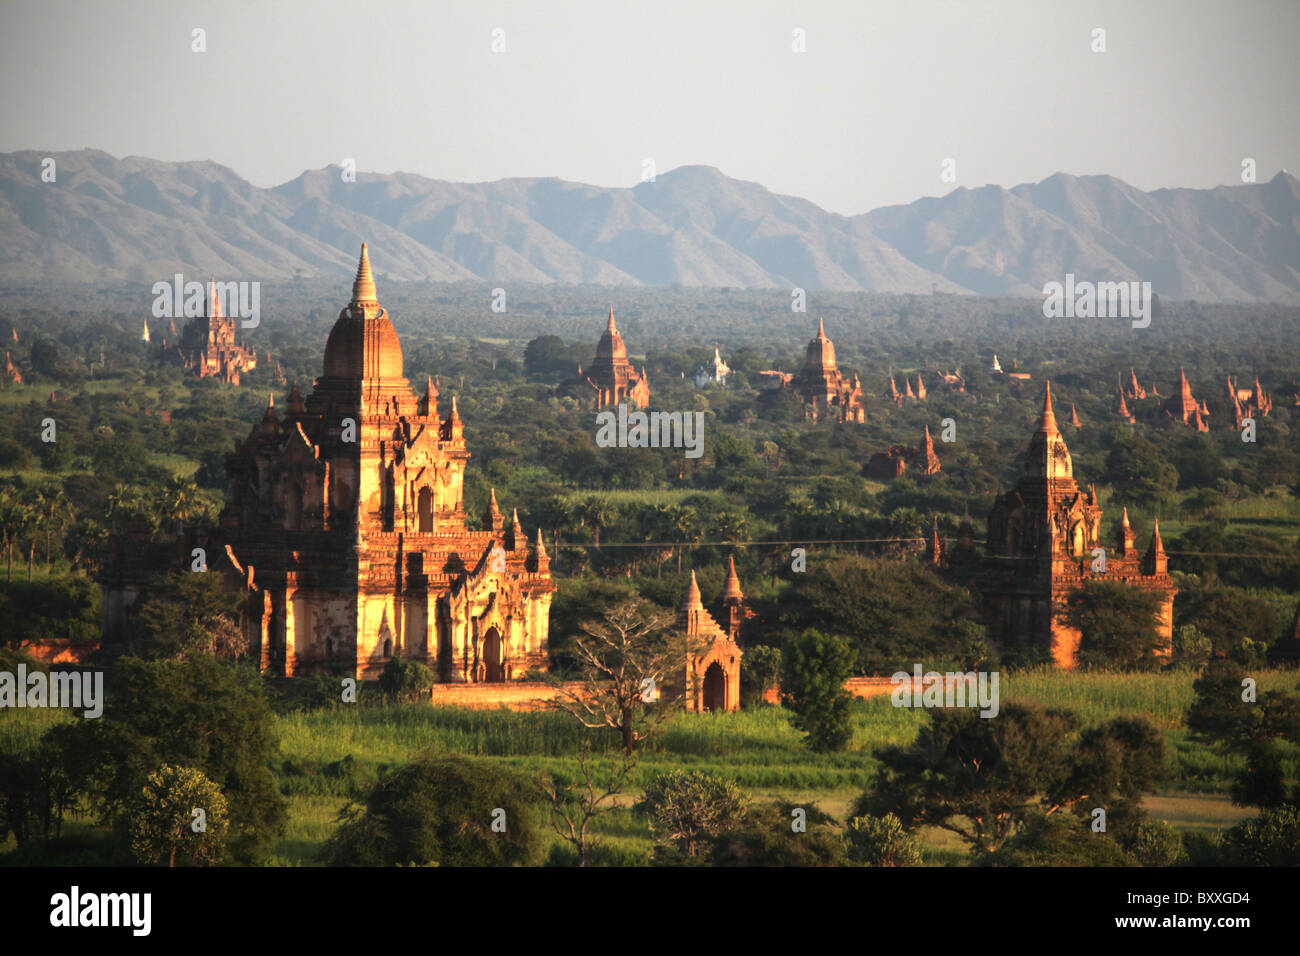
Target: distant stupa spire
363,287
214,300
1047,422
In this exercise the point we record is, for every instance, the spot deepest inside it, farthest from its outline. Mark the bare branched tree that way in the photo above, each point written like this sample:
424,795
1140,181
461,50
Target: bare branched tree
631,666
576,803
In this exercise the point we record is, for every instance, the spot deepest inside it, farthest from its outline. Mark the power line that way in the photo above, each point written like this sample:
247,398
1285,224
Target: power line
585,545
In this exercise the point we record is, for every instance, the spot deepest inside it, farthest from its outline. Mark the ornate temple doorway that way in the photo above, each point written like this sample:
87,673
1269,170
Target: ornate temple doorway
715,688
492,673
424,504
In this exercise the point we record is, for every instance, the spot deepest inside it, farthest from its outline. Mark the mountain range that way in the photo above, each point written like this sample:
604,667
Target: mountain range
143,219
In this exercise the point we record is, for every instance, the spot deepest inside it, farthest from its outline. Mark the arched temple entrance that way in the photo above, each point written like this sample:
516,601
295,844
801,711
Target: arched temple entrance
493,672
715,688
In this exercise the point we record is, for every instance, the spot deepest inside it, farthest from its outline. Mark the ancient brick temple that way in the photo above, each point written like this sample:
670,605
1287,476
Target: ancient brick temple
611,378
1041,537
926,461
208,347
826,393
345,531
712,672
1132,389
1183,407
1248,402
887,465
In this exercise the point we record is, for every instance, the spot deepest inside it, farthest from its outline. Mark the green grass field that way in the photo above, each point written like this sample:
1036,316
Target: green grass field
758,748
330,756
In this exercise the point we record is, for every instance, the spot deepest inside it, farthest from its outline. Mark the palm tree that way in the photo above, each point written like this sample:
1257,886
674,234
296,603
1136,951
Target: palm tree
85,539
683,522
18,518
653,526
823,494
729,525
54,512
11,519
122,503
554,513
180,499
597,512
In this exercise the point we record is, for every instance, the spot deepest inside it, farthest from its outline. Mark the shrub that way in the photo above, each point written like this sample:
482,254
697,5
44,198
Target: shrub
689,809
768,838
1056,841
1157,844
881,841
406,680
1271,839
445,811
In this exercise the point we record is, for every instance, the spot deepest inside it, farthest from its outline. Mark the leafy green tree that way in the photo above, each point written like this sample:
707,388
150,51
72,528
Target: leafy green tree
1261,728
1191,646
63,606
204,713
439,810
982,778
577,601
814,667
897,613
733,454
548,356
1117,624
688,809
1140,473
13,455
760,671
36,789
187,613
1238,625
163,822
1198,462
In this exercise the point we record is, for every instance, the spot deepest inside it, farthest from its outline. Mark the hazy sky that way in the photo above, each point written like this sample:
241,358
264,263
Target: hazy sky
586,91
